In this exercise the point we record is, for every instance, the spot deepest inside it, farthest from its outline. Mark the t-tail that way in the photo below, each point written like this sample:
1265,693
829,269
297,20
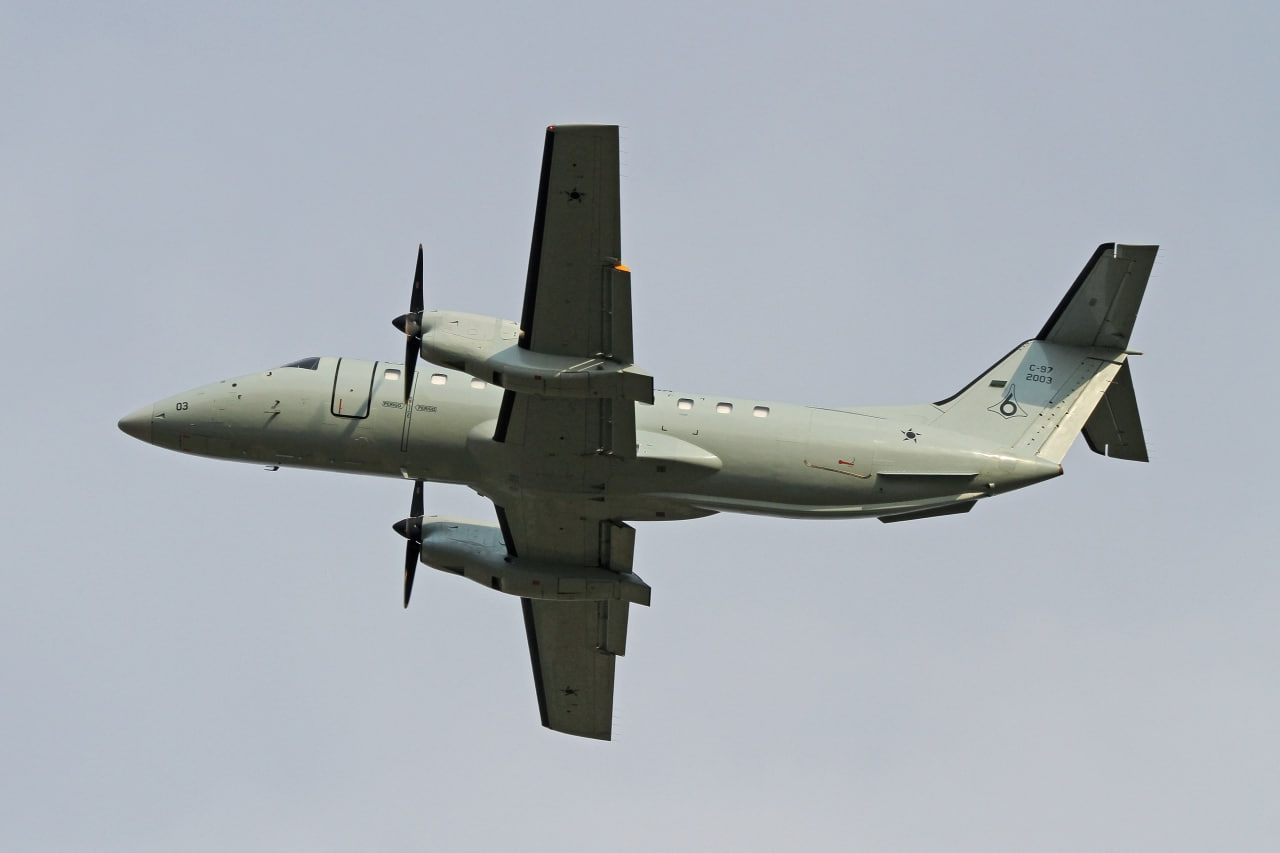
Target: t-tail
1073,377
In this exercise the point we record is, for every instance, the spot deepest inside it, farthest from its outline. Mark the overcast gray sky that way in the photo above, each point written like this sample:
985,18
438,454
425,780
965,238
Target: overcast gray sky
863,205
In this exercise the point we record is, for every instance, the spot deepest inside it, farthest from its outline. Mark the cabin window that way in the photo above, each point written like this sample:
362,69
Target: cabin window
478,383
760,412
439,379
312,363
391,375
724,408
684,404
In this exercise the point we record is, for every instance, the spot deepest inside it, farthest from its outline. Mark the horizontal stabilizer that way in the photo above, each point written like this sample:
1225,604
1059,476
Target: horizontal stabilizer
1115,428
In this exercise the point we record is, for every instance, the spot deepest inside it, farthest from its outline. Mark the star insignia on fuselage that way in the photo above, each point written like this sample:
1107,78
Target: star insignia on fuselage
910,435
575,195
570,691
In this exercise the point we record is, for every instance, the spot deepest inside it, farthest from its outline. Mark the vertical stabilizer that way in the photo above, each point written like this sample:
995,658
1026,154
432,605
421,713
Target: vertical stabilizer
1100,308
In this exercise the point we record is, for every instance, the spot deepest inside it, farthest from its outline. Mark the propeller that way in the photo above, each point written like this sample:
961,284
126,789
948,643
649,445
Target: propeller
411,529
411,325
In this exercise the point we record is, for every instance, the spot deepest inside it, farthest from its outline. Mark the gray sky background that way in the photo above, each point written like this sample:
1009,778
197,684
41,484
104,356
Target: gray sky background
863,205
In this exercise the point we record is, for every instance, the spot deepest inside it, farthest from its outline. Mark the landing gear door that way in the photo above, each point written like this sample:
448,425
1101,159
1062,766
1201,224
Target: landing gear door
352,387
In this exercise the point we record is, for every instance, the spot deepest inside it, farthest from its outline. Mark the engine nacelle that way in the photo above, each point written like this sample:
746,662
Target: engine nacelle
478,552
489,348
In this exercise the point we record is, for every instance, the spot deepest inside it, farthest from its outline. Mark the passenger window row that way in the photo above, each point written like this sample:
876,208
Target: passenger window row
392,374
685,404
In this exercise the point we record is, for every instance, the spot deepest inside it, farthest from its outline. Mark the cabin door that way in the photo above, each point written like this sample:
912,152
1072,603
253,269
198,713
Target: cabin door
352,387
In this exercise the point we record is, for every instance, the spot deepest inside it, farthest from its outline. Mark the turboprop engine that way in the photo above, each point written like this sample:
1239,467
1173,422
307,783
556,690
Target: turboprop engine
489,348
477,552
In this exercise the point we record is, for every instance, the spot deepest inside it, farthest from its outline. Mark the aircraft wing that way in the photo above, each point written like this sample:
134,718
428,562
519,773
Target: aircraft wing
574,680
564,450
572,303
572,644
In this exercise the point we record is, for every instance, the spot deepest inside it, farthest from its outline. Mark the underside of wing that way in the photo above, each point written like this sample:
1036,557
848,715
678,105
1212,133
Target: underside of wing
569,645
572,644
562,448
567,442
577,297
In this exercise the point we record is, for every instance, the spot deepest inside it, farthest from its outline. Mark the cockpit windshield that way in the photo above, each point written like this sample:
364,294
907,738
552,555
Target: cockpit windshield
312,363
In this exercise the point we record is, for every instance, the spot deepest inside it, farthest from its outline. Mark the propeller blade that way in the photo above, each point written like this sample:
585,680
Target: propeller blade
415,505
410,567
410,325
411,350
415,298
411,529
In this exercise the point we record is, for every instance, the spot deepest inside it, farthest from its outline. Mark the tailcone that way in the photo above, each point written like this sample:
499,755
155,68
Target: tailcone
1027,471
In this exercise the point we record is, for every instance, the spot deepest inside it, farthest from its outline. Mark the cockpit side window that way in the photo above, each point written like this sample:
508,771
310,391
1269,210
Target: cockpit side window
312,363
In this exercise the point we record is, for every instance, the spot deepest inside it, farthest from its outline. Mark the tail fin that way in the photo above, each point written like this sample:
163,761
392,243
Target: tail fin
1073,376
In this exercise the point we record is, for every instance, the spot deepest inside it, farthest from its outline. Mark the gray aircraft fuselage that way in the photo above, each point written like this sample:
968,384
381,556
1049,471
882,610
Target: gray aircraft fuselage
696,454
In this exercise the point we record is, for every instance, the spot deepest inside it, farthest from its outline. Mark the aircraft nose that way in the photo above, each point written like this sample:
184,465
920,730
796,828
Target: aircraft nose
137,424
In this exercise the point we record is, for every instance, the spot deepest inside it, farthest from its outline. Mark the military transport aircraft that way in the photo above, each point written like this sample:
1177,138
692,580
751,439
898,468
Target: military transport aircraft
551,420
